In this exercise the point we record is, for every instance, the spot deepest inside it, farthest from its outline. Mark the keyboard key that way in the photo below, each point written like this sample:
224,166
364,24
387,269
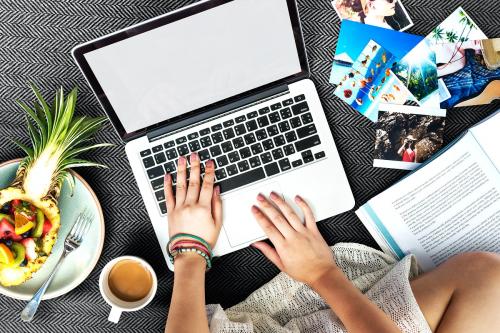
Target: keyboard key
228,123
160,158
240,129
194,145
163,207
169,167
306,131
145,153
300,108
290,137
276,106
243,179
180,140
157,184
251,125
206,142
285,113
202,168
232,170
243,166
319,155
183,150
169,144
252,115
289,150
297,163
272,169
240,119
306,118
295,122
261,134
233,157
193,136
205,131
148,162
299,98
256,148
228,133
268,144
307,156
254,161
222,161
279,140
171,154
238,143
156,172
264,110
220,174
262,121
216,128
288,102
284,126
274,117
217,137
284,164
307,143
245,153
266,157
215,151
278,154
174,178
226,146
157,148
272,130
204,155
160,195
249,138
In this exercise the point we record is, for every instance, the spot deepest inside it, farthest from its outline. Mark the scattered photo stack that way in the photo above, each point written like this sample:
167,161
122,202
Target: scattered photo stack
405,83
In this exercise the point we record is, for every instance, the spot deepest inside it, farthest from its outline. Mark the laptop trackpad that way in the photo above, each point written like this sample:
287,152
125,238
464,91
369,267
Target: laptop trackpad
239,224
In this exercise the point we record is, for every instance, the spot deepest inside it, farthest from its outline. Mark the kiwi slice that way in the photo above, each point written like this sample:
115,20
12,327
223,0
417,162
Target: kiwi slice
19,253
40,219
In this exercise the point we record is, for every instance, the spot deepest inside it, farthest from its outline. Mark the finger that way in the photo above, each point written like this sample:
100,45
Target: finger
269,228
287,211
270,253
308,214
217,207
169,193
275,216
193,191
180,193
207,188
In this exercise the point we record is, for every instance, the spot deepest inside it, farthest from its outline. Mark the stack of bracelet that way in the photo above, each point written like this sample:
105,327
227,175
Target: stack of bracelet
182,243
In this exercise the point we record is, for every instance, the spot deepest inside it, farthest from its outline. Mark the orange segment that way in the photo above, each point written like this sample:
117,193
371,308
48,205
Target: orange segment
6,256
22,223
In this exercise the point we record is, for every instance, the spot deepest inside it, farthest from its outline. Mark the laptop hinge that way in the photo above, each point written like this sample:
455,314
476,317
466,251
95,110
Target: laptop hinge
215,113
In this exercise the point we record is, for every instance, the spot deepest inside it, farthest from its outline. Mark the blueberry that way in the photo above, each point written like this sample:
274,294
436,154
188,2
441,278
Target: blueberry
24,263
26,234
8,242
5,208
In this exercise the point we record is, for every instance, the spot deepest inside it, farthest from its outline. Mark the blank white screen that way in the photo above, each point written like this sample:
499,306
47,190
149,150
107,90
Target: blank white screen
196,61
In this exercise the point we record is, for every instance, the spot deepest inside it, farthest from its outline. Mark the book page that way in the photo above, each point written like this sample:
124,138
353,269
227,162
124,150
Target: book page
486,134
450,206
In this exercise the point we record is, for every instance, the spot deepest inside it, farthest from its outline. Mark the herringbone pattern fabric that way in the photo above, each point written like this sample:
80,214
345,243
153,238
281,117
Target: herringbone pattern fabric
35,42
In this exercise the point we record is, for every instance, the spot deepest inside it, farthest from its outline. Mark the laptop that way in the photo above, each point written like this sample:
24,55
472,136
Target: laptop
230,81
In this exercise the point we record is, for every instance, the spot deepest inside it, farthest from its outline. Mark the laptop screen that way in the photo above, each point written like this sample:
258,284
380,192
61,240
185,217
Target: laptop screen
197,61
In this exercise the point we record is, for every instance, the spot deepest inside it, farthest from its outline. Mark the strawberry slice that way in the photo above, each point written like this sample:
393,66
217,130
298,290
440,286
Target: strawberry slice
47,226
7,231
30,246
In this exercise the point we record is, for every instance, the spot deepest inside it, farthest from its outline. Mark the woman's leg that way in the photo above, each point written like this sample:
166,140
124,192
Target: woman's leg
462,294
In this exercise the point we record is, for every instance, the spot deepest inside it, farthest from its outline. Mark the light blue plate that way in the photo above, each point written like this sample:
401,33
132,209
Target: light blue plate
78,265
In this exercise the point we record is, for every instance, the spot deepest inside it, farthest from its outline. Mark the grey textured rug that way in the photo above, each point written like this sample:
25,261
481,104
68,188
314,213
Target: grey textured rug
35,40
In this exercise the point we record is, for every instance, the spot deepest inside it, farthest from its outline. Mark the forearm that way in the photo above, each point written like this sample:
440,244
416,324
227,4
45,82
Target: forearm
355,310
187,310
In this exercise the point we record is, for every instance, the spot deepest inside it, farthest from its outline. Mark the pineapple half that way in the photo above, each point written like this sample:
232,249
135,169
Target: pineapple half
57,139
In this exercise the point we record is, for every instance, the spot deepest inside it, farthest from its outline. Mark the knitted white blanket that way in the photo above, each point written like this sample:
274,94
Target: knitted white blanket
284,305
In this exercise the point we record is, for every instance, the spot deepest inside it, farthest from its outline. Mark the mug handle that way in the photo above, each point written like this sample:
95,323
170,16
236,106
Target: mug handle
114,315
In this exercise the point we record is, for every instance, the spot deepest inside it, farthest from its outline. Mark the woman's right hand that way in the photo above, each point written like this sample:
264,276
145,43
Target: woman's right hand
299,249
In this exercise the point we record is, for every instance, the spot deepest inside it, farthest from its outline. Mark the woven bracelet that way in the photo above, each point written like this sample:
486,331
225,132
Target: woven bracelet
186,250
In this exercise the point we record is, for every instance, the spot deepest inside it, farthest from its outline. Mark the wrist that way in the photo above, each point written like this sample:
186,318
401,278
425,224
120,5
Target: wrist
326,278
189,260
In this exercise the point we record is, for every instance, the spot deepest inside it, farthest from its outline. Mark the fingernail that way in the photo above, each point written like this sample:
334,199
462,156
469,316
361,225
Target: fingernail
260,197
298,198
209,164
193,157
182,160
254,210
217,190
274,195
167,177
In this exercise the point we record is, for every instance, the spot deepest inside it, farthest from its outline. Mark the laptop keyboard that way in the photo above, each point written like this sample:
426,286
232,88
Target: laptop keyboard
246,149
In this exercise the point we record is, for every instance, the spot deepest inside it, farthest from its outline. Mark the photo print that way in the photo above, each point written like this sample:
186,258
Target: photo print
371,82
470,71
388,14
407,136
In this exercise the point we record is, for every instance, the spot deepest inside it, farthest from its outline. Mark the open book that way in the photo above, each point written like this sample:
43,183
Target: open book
450,205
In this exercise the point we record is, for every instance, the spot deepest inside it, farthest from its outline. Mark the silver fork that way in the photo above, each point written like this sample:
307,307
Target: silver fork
71,243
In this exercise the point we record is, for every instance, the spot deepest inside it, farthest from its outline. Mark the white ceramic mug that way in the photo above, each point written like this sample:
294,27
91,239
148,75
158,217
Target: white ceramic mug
117,305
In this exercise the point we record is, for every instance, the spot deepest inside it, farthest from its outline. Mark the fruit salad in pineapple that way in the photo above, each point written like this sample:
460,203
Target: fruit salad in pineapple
29,215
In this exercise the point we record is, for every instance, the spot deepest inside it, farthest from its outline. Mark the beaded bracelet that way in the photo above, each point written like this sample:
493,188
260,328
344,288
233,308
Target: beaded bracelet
186,245
189,236
181,243
192,249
